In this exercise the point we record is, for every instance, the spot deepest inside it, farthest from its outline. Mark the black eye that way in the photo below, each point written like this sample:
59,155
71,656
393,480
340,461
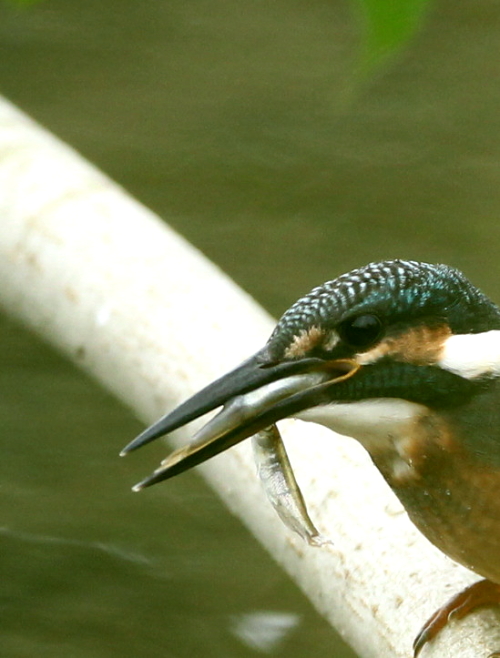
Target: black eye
361,331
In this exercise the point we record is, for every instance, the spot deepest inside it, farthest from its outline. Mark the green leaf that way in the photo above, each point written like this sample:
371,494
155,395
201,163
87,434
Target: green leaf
389,26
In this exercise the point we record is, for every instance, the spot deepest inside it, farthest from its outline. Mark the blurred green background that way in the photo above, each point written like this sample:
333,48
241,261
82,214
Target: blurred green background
290,141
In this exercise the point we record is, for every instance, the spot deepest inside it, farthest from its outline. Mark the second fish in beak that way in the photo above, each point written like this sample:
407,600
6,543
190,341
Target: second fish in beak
253,397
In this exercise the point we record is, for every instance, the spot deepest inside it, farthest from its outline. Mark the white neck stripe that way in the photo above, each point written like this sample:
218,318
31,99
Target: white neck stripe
472,355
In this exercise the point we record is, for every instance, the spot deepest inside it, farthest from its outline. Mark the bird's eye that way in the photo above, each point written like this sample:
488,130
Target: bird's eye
361,331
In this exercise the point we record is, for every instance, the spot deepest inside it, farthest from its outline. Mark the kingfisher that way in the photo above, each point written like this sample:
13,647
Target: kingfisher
402,356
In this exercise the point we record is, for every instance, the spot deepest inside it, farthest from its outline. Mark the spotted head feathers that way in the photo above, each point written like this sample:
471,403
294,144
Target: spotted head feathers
407,292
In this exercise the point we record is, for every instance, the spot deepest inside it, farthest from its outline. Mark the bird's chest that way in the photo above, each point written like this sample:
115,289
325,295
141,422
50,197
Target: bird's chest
452,496
444,467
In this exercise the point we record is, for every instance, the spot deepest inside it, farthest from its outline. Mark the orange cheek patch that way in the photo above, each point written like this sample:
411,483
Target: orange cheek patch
420,345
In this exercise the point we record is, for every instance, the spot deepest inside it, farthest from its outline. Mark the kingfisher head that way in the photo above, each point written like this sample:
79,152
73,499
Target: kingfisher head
369,354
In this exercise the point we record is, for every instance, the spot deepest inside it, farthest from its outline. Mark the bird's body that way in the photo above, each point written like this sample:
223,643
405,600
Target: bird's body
405,358
449,493
455,499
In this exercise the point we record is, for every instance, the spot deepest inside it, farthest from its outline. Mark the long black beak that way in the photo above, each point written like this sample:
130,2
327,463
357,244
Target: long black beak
255,395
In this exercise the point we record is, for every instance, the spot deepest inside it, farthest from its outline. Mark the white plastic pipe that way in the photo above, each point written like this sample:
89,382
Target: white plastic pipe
101,278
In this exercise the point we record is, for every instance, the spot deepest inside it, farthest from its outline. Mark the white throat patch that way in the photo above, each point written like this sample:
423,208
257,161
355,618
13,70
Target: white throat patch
374,423
384,427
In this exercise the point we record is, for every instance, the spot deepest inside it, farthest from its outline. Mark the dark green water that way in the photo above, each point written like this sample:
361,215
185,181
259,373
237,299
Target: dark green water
246,126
